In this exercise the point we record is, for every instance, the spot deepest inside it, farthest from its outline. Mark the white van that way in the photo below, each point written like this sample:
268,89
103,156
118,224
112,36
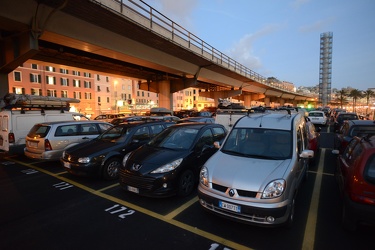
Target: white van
254,176
15,124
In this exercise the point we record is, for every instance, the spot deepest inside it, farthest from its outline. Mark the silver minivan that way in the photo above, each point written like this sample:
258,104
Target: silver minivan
254,176
48,140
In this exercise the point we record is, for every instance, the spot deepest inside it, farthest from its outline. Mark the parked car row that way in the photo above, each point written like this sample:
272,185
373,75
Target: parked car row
250,174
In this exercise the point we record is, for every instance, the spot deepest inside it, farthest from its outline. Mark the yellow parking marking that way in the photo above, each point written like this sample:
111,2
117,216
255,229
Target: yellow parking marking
177,211
168,219
309,237
106,188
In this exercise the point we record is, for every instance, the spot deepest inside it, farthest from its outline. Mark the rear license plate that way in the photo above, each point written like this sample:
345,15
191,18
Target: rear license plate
67,164
133,189
33,144
230,207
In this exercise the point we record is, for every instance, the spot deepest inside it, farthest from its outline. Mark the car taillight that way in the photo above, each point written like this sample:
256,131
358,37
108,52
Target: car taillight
11,138
47,145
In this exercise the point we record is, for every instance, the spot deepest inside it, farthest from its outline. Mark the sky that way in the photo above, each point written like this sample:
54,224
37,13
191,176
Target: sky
281,38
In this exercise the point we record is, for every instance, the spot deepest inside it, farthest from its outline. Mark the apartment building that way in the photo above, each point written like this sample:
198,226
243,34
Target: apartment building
98,93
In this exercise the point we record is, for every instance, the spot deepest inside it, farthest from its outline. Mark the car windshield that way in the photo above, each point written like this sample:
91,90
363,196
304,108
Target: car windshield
115,134
259,143
175,138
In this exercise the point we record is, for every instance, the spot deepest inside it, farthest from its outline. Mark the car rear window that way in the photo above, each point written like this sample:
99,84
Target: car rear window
370,170
362,131
39,131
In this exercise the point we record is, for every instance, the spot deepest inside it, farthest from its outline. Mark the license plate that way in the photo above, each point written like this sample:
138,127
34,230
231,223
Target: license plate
314,119
133,189
230,207
33,144
67,164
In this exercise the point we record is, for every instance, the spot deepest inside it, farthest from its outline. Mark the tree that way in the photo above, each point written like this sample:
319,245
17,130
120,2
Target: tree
368,94
341,97
355,94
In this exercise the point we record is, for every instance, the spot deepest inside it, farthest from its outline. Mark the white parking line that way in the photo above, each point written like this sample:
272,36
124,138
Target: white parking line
309,237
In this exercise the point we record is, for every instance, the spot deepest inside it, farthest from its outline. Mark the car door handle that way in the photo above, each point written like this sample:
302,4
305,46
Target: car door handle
85,138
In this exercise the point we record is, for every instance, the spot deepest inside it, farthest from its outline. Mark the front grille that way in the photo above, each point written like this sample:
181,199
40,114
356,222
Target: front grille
243,193
131,179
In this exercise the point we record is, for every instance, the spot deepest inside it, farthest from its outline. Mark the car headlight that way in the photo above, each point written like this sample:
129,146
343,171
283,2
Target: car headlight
203,176
84,160
274,189
168,167
125,159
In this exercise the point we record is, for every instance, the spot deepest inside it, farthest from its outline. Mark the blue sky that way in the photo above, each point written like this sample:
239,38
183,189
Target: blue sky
281,38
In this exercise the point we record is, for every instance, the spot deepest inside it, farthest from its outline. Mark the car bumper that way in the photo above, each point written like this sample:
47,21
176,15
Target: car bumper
362,212
46,155
158,186
81,169
260,214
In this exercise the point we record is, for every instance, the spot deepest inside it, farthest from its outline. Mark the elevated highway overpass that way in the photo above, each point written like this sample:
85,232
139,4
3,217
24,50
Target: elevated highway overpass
128,38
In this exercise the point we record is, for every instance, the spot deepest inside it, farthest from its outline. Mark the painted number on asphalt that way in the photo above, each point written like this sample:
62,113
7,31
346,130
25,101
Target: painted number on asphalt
29,171
117,209
215,246
62,185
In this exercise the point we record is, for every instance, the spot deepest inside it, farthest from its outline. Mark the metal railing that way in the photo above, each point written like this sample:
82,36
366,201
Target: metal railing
143,14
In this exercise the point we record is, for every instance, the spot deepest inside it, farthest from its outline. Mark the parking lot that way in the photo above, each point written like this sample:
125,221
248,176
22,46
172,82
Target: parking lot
44,207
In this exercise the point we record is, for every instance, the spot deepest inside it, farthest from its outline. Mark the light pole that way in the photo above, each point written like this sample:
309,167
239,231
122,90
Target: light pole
115,84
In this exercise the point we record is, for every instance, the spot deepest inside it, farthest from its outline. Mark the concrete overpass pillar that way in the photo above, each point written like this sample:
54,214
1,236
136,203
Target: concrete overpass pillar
165,95
247,101
281,101
4,84
267,101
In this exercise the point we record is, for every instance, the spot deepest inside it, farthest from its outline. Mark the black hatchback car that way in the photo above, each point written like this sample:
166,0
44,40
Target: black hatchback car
103,155
170,163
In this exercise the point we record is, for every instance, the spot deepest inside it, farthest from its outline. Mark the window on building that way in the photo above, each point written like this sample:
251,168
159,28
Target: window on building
51,92
130,96
17,76
76,73
35,91
107,79
86,74
99,99
98,77
107,99
87,84
77,95
64,71
76,83
19,90
98,88
34,66
137,93
51,80
64,93
35,78
50,68
64,81
87,95
107,89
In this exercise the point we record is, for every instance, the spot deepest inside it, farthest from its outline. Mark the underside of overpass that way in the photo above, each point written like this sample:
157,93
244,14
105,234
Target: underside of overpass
27,31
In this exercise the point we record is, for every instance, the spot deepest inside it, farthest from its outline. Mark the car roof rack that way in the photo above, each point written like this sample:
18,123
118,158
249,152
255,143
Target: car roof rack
31,102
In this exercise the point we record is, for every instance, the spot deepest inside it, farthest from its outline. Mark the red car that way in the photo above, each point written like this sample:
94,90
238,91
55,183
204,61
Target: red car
351,128
356,178
313,134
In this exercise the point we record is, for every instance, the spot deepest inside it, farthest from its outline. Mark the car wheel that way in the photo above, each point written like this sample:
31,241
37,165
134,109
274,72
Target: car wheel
111,169
289,222
186,183
348,220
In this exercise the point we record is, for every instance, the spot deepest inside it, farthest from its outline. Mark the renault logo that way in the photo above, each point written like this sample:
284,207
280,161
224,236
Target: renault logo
136,167
231,192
